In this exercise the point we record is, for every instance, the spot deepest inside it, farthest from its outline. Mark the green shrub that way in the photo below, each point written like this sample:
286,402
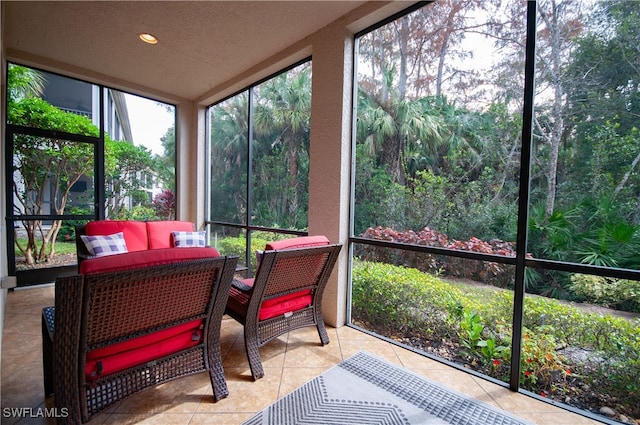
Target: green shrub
138,212
232,246
67,231
607,291
396,297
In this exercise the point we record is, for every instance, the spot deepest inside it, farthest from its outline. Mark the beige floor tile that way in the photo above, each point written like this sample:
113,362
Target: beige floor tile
515,402
30,300
561,418
245,395
183,395
416,362
301,354
346,332
24,324
148,419
100,418
35,420
293,378
17,349
272,354
373,346
219,419
22,384
460,382
310,333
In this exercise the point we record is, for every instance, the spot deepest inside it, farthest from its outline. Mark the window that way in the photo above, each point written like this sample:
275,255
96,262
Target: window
65,165
259,189
483,234
140,166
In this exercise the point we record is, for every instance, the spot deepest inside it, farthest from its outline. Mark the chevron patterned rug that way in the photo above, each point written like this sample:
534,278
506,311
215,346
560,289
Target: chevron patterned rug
365,389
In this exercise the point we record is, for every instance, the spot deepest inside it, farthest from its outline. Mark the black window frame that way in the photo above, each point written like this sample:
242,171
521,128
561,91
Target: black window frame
247,227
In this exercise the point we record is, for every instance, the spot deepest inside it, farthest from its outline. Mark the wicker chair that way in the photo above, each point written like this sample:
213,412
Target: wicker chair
286,293
139,309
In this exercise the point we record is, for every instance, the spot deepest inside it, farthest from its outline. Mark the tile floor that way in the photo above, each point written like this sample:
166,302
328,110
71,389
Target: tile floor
289,362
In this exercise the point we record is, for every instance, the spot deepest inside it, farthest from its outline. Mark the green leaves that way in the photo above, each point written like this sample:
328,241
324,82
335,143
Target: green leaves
37,113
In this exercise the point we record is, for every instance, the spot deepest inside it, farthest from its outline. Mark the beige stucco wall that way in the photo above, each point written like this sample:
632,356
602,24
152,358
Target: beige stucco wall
191,164
329,183
331,50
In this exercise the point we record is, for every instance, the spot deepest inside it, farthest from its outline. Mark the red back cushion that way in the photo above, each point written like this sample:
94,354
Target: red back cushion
160,232
135,232
295,243
301,242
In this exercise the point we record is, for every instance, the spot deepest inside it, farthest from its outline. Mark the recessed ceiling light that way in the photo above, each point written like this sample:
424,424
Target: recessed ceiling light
148,38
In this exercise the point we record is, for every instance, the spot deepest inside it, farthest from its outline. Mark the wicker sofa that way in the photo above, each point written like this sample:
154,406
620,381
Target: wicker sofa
128,326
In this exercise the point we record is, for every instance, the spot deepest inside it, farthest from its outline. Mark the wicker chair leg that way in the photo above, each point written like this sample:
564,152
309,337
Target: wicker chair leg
47,350
216,373
322,332
219,384
253,354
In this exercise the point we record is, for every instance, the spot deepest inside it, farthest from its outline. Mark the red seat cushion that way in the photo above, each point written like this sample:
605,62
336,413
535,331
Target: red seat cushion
135,232
132,260
116,357
160,232
280,307
239,300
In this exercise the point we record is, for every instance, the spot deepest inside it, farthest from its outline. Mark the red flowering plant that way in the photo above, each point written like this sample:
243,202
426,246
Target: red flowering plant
542,366
164,204
496,274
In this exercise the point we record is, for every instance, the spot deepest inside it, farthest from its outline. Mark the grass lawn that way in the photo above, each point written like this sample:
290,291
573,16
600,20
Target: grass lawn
65,254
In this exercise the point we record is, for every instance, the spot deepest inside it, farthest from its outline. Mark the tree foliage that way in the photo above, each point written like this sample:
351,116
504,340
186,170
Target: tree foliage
127,170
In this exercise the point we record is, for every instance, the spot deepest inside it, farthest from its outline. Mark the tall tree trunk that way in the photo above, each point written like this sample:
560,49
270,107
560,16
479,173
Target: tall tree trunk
626,176
403,36
292,153
381,62
449,28
392,154
555,136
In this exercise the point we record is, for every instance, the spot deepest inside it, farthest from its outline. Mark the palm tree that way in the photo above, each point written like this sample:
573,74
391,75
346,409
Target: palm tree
393,128
229,132
282,120
24,82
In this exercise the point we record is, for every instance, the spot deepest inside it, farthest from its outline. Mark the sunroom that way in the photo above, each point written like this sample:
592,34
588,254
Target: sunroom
478,161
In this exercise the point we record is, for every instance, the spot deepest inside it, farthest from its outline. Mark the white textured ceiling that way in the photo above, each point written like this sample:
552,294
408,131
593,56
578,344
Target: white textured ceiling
202,43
